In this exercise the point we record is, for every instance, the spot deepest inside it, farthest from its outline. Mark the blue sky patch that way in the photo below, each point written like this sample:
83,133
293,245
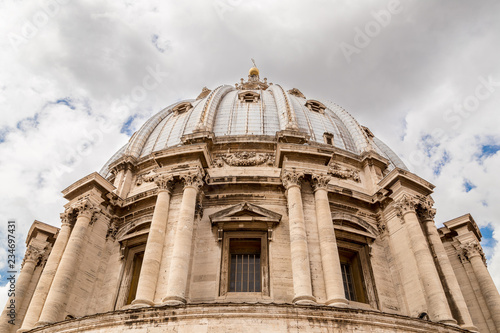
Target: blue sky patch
489,150
488,240
126,128
65,101
468,185
28,122
3,134
441,163
430,144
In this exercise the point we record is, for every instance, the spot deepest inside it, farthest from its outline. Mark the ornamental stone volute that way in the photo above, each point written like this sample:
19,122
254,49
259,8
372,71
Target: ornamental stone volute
164,182
291,178
319,181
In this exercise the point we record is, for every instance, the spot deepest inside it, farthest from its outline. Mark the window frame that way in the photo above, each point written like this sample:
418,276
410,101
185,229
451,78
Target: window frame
129,249
225,264
359,247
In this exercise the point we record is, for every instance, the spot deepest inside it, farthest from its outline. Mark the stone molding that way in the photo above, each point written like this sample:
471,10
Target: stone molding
338,171
291,178
472,249
319,181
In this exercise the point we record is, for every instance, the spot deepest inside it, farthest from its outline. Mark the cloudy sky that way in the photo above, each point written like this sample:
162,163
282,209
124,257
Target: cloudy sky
77,78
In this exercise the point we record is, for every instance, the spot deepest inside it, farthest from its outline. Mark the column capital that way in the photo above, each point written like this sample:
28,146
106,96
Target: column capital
193,179
425,210
320,181
472,249
291,177
67,218
85,207
32,255
405,205
164,182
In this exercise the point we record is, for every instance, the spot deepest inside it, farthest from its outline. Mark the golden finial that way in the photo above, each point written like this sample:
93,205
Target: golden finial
254,70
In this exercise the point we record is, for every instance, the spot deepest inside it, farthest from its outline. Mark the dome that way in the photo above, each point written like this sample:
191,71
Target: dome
253,110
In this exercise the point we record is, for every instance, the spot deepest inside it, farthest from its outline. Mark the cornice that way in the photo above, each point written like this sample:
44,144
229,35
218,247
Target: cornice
94,180
406,179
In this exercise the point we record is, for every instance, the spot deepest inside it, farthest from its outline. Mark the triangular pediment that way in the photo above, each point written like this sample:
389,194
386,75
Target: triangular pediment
245,212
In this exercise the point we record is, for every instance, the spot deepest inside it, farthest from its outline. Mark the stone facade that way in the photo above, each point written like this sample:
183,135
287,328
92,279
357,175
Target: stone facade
330,233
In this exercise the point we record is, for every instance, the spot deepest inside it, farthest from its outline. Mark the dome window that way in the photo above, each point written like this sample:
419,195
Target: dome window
296,92
368,132
328,138
315,106
181,108
248,97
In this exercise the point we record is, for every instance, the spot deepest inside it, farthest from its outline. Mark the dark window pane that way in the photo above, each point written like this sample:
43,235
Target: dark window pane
244,275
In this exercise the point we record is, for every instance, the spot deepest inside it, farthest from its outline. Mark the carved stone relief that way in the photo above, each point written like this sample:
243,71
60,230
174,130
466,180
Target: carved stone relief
243,159
338,171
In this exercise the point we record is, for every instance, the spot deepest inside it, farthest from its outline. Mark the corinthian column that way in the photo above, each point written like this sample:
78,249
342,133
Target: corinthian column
330,260
31,258
57,298
472,251
148,277
426,214
43,285
298,239
436,299
181,252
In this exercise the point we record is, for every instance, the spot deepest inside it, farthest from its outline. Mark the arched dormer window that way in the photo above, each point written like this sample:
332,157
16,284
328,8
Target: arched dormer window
248,96
315,106
182,107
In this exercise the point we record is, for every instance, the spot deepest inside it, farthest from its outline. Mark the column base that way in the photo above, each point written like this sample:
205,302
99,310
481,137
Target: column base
338,303
451,322
173,300
304,300
41,323
140,303
471,328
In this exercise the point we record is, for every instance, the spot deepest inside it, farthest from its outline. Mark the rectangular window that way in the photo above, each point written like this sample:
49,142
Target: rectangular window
245,271
244,264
